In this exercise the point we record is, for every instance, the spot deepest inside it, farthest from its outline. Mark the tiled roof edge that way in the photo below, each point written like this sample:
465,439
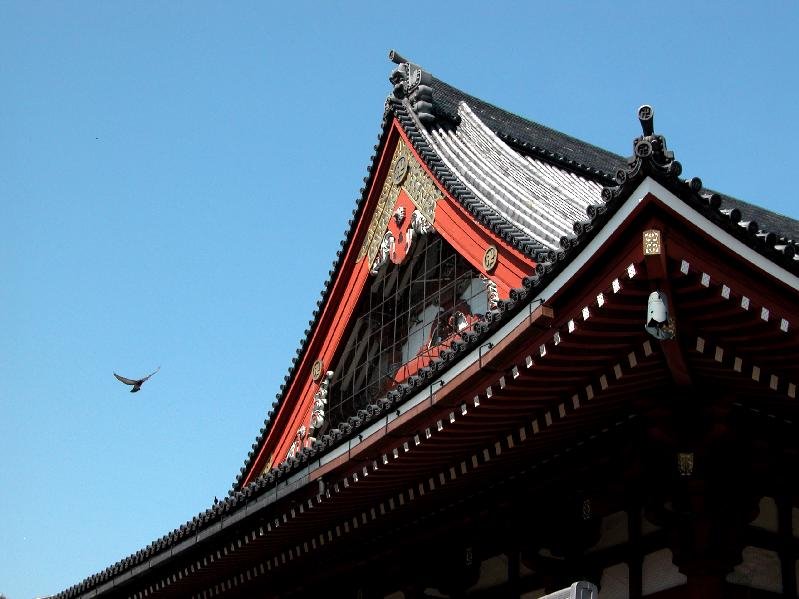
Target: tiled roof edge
312,324
237,492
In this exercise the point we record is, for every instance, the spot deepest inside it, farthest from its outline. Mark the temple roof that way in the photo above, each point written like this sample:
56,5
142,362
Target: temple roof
544,192
510,173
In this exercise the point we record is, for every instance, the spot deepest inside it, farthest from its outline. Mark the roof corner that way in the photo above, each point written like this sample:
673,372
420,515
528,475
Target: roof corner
651,158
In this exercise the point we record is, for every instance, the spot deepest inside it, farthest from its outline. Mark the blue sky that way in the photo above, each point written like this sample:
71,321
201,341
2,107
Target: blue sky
175,180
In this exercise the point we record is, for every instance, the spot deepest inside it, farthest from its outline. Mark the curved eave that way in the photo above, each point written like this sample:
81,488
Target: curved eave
500,218
497,330
725,220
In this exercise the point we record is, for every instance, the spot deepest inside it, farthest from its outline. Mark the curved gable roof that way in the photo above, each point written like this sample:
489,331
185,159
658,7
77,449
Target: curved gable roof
517,173
523,166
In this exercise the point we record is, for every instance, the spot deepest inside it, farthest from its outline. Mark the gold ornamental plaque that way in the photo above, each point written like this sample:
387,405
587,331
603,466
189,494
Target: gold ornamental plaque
490,258
652,243
404,173
316,370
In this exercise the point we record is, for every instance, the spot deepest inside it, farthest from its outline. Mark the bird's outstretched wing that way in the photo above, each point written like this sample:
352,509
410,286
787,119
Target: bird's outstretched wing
151,374
122,379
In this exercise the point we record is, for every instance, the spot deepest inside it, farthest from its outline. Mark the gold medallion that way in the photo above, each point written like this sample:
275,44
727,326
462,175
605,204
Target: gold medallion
490,258
316,370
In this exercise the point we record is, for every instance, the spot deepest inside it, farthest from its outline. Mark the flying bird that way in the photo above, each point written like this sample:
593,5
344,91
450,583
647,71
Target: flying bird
137,383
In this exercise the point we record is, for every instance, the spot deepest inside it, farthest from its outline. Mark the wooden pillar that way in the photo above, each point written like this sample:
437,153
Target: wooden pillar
709,536
705,481
457,569
786,553
514,570
698,547
635,562
413,591
705,586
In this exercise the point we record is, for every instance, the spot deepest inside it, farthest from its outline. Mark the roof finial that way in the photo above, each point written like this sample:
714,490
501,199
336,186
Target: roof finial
650,145
650,153
395,57
650,158
647,118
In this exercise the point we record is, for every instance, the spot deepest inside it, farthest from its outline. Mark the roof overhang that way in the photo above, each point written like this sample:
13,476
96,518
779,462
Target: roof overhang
563,365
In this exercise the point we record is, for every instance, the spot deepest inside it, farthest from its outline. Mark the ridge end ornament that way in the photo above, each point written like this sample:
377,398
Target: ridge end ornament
412,85
651,157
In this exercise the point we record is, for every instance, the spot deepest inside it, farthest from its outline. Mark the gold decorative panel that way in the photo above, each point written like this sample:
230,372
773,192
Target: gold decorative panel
490,258
316,370
685,463
405,173
652,242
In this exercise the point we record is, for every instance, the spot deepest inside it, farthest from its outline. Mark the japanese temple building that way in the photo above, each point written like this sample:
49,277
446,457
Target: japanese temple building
534,362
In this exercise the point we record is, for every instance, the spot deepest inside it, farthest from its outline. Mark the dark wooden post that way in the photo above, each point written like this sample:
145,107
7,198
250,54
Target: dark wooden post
635,560
786,553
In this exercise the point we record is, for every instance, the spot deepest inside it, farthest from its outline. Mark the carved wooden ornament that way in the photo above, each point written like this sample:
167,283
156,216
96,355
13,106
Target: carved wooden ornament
405,174
652,242
685,463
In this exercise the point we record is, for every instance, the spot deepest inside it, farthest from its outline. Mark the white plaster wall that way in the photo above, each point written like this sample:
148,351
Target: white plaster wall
760,569
615,583
660,573
614,531
767,518
493,571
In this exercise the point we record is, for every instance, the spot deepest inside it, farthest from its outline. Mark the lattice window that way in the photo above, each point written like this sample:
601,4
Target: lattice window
409,314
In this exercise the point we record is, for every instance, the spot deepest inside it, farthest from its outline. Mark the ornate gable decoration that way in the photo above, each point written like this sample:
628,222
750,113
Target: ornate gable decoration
406,208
